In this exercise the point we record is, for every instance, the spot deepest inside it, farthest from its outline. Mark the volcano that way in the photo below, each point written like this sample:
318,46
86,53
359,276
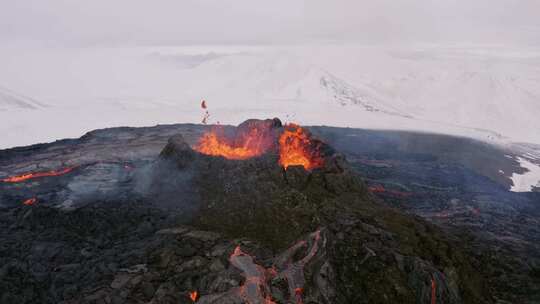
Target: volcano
260,213
316,225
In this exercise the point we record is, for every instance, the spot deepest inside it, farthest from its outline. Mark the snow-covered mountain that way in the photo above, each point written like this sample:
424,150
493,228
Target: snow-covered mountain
489,93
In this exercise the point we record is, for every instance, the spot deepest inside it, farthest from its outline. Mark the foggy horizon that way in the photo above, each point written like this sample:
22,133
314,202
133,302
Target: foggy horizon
102,23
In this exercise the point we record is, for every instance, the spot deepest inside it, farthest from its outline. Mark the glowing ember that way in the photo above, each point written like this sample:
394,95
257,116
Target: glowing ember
251,143
30,201
27,176
193,295
297,149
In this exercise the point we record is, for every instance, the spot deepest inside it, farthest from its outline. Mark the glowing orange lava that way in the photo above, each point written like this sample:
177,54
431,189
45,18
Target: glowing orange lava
30,201
297,149
250,144
193,295
27,176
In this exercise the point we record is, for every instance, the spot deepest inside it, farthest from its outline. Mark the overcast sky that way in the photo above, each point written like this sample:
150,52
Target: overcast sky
146,22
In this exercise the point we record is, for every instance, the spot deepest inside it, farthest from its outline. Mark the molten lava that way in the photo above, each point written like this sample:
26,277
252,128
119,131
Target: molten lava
27,176
296,148
251,143
193,295
30,201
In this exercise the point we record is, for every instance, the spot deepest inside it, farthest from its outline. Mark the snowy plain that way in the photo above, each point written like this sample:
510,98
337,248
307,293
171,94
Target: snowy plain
491,93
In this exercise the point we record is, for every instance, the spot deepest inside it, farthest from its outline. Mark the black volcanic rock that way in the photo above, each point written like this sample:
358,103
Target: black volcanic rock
179,150
148,224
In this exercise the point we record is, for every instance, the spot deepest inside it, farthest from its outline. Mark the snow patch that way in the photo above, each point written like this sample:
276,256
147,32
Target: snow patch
526,181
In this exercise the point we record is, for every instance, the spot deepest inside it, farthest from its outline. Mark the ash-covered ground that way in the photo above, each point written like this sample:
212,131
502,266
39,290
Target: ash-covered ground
134,215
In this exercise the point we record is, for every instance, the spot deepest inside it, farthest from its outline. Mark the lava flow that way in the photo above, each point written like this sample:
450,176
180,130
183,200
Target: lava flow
254,289
27,176
296,148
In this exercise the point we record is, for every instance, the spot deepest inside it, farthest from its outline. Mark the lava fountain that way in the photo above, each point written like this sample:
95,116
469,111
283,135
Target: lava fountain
216,145
296,148
253,138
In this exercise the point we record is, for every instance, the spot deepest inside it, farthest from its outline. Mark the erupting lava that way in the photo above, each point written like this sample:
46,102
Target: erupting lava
27,176
213,144
297,149
250,143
